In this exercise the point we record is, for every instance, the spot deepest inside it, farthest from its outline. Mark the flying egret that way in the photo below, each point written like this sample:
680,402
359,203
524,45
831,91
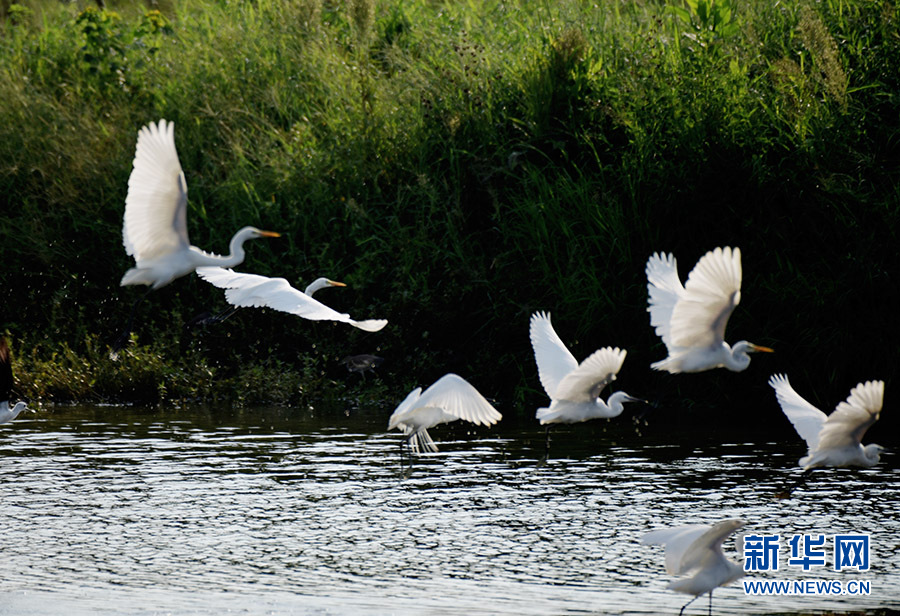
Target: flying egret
691,319
833,440
7,414
154,230
574,388
253,290
451,397
697,547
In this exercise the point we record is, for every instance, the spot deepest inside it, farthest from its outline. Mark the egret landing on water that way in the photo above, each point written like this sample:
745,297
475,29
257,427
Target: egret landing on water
154,230
451,397
691,319
7,414
697,548
252,290
574,388
833,440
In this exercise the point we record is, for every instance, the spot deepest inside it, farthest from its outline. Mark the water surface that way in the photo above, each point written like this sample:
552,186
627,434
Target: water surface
111,510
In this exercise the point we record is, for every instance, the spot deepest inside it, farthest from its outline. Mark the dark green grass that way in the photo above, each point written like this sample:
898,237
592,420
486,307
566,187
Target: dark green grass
459,165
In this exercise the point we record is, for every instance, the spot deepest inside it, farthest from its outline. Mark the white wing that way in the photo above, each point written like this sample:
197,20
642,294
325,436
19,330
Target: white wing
584,383
396,419
850,420
688,546
712,291
554,360
155,222
678,541
807,419
246,290
663,288
455,396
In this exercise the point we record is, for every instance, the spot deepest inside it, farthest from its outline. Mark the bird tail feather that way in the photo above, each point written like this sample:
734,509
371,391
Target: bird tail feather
421,441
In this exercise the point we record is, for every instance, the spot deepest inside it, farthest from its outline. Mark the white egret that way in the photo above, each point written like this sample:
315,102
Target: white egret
154,229
574,388
691,319
833,440
451,397
252,290
7,413
697,547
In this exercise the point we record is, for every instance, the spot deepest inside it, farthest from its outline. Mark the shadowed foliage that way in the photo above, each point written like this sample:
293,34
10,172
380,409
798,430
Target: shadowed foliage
459,166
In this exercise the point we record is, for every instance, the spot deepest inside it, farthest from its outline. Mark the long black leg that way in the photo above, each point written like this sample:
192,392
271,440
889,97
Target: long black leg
710,603
406,472
543,460
120,342
204,319
687,604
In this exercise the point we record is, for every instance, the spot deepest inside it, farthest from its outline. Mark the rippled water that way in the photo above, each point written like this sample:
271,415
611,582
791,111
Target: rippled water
111,510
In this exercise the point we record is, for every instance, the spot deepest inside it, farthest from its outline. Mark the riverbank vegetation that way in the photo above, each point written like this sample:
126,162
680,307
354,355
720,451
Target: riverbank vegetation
459,165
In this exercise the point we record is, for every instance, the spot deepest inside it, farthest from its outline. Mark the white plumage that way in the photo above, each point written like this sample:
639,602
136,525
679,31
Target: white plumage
697,548
154,229
451,397
252,290
833,440
574,388
691,319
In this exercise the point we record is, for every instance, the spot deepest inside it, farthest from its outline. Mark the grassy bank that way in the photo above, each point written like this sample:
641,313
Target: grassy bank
459,165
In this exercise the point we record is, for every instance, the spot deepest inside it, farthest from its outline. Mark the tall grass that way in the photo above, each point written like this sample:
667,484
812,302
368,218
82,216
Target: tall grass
460,165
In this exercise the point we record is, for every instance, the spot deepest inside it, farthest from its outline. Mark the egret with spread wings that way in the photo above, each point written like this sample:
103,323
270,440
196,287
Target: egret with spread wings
154,230
253,290
698,548
691,319
833,440
451,397
574,388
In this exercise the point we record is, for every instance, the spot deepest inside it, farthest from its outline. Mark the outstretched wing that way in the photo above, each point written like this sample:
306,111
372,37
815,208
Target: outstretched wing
663,288
155,222
252,290
850,420
677,541
712,291
688,546
584,383
709,544
807,419
455,396
554,360
396,420
6,377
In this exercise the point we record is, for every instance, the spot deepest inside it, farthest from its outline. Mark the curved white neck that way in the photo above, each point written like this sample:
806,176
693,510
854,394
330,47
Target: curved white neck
872,453
235,250
318,283
614,405
12,412
736,358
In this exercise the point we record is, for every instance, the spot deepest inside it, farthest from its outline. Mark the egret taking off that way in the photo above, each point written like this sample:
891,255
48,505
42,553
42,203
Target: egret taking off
154,231
691,319
574,388
252,290
833,440
697,548
7,414
451,397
